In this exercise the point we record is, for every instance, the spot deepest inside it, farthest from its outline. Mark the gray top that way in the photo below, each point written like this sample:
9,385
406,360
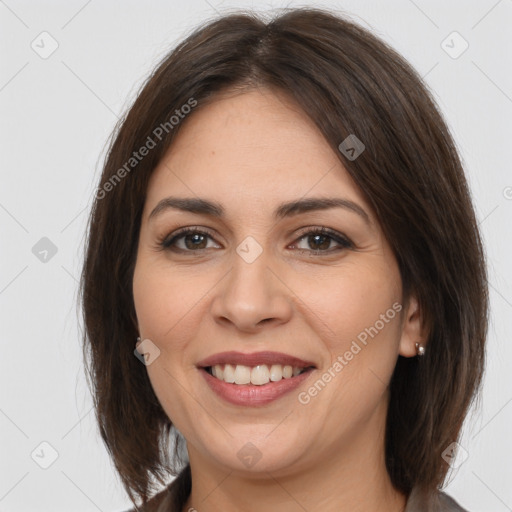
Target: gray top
441,502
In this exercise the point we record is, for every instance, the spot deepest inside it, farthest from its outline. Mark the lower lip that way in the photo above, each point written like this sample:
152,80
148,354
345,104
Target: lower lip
251,395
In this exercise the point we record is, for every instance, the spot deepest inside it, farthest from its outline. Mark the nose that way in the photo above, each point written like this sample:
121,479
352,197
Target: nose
251,297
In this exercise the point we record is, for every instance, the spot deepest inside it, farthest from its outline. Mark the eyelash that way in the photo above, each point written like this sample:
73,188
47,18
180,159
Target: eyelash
167,242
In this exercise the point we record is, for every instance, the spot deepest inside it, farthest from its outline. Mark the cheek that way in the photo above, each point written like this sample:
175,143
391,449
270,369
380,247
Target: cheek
363,350
354,302
359,316
167,319
165,302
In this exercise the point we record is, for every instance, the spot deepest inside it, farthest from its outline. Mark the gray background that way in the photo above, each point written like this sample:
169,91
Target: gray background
56,113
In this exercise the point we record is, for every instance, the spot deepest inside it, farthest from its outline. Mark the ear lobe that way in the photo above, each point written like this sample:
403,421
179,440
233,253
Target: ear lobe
412,331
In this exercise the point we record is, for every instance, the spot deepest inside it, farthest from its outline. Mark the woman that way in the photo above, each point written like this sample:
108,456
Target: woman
284,269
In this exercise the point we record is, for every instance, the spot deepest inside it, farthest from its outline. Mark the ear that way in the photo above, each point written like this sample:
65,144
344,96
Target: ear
412,332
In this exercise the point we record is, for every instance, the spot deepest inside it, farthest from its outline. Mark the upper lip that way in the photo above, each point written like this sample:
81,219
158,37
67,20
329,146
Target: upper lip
254,359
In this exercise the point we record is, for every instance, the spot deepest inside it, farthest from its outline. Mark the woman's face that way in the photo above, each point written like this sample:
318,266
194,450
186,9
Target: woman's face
257,280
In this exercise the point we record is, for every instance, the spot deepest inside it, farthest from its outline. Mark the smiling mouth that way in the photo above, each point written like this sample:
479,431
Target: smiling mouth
254,375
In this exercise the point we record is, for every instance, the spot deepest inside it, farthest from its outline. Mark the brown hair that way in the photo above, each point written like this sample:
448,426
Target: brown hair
348,82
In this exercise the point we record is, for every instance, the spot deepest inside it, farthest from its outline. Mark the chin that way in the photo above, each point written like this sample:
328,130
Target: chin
252,451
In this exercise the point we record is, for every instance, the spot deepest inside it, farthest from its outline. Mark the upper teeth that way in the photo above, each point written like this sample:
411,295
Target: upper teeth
257,375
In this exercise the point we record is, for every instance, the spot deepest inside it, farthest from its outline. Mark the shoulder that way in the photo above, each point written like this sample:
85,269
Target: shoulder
439,502
448,504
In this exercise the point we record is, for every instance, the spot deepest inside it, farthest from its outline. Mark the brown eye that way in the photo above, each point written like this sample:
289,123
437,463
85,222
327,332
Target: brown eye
187,240
320,240
194,241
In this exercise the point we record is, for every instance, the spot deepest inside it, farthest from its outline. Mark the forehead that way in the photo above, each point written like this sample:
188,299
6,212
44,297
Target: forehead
259,142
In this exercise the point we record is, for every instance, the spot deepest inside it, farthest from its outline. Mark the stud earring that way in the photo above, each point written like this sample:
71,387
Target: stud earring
420,349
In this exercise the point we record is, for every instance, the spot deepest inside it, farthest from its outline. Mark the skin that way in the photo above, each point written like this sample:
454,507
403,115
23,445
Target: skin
250,151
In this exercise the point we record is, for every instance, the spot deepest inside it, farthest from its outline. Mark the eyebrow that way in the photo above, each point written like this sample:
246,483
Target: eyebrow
205,207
